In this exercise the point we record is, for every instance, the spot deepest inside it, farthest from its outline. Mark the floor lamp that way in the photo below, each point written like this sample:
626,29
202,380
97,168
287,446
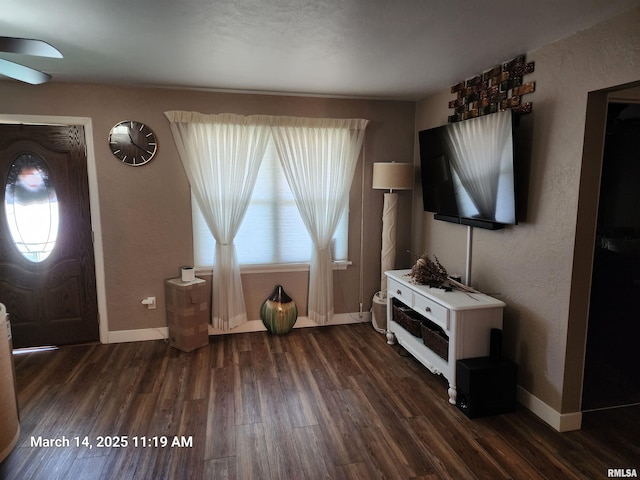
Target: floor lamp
388,176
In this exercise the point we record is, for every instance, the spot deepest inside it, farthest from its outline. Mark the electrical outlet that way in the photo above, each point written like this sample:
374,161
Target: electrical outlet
150,302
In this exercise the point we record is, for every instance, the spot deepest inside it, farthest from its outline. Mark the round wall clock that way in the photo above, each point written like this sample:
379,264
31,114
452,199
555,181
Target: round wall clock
133,143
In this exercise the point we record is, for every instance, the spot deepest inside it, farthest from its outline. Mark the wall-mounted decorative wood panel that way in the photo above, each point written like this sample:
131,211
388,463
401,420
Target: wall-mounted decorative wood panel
494,90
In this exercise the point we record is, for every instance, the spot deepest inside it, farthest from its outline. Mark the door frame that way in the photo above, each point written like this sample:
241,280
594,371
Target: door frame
584,241
94,201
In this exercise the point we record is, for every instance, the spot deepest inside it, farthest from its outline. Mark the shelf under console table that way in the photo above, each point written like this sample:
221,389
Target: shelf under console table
463,320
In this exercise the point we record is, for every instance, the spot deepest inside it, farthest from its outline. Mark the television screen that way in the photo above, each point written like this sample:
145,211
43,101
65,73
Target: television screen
468,171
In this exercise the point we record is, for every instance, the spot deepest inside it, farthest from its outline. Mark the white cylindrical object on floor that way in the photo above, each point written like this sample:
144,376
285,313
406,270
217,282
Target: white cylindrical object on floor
9,424
379,312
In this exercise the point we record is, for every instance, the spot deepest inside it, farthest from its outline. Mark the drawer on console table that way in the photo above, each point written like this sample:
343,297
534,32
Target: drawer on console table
432,310
401,292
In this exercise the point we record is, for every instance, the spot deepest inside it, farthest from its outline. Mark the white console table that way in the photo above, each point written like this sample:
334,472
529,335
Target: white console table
466,318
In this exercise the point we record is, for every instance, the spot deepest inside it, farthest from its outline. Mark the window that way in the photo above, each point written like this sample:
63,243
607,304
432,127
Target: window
31,206
272,231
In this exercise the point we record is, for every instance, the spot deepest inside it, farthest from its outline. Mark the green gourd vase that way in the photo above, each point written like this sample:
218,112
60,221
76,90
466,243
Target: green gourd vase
279,312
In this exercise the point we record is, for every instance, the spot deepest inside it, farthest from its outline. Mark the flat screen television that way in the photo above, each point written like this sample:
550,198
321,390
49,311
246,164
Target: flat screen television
467,171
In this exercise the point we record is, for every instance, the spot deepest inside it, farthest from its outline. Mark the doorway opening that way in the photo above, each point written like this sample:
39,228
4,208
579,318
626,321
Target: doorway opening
610,376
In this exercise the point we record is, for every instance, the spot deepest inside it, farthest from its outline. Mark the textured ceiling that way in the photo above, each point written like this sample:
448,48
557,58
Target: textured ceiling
402,49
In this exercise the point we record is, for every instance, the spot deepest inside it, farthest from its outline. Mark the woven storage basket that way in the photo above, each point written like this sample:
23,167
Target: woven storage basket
435,339
408,319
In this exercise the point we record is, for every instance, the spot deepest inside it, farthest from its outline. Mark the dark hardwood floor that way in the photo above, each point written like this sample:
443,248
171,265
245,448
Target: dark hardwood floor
333,402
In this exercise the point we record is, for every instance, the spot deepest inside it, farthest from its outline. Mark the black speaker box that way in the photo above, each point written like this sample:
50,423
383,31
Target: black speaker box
486,386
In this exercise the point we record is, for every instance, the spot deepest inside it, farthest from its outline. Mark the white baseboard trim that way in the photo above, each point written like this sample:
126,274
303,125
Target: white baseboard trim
140,335
562,422
302,322
162,333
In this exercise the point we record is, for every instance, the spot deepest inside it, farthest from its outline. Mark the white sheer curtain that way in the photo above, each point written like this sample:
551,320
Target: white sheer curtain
477,147
221,155
319,157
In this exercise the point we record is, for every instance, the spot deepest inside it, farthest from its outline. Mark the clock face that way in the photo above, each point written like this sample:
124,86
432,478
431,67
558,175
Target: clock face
133,143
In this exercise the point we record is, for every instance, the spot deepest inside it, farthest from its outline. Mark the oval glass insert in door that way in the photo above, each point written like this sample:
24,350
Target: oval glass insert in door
31,206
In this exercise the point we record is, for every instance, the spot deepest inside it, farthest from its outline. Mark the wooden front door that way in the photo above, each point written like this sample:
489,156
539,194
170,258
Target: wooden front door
47,271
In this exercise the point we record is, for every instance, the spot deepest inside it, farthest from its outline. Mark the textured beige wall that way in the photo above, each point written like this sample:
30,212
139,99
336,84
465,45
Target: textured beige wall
530,266
146,213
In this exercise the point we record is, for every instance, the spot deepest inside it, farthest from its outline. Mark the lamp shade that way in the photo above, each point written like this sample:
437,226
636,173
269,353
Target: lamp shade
392,176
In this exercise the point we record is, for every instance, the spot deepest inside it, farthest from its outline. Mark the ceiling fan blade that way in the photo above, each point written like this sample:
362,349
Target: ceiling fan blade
22,73
28,46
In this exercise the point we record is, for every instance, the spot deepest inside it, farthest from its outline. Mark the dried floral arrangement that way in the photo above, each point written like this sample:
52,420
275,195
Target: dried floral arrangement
429,272
432,273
